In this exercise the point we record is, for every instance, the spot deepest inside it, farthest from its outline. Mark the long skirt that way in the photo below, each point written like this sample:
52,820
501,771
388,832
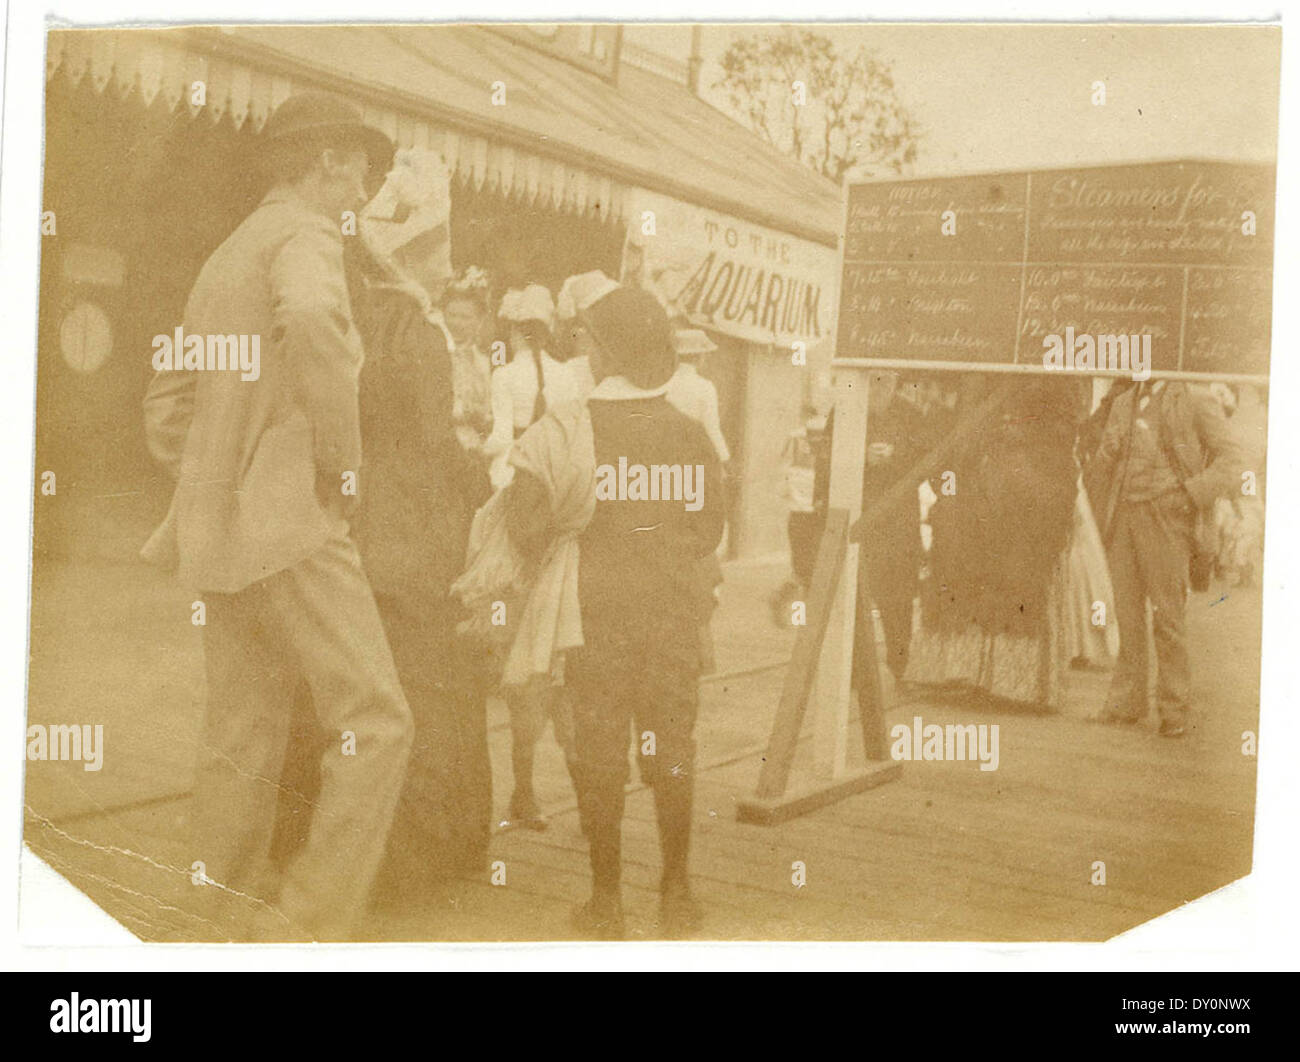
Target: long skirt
444,813
1091,632
1022,668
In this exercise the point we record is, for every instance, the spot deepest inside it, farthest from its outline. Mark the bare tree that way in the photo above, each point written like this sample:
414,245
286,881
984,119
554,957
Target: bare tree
833,113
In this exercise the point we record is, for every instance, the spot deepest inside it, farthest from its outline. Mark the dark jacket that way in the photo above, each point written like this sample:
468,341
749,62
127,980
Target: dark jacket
896,535
1208,458
419,488
638,585
896,532
637,568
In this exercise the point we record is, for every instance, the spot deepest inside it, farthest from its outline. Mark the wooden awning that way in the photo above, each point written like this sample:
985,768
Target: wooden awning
566,138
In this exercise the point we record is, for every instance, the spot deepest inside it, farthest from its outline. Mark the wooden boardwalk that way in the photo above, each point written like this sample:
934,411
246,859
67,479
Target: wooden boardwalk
948,852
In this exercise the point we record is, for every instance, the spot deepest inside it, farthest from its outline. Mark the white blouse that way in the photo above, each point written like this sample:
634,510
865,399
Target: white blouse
514,393
696,396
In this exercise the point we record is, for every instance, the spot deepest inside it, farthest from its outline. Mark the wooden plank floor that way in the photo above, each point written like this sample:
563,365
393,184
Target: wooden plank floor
949,852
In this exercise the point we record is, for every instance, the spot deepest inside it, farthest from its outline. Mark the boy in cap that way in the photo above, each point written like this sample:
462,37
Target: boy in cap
640,658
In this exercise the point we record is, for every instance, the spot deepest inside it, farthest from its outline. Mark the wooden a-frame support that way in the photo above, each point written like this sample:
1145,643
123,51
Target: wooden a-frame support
821,670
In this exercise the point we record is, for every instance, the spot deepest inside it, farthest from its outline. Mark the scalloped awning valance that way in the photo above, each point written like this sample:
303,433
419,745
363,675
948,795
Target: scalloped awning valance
162,63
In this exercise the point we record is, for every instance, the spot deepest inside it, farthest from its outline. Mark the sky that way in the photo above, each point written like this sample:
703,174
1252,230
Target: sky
1020,97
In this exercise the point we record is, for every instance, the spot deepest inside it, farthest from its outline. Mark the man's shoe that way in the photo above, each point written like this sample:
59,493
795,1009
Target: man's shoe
523,814
600,920
1171,729
537,823
680,914
1109,717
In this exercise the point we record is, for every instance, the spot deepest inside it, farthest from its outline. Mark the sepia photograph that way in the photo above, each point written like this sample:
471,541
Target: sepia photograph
597,481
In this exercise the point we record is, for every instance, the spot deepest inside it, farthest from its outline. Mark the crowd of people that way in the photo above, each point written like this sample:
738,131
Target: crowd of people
1054,529
401,518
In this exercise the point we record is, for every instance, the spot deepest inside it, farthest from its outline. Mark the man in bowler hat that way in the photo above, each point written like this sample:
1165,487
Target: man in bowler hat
259,527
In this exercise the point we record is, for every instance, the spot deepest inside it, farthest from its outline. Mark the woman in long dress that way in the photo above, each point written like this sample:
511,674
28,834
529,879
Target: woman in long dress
1091,634
531,379
531,382
418,493
1240,520
992,606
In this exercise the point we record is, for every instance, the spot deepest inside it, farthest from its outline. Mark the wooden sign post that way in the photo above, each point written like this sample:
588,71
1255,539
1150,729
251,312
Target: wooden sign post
821,666
831,691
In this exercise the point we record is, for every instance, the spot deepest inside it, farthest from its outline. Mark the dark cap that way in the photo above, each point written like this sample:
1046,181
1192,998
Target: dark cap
319,113
634,335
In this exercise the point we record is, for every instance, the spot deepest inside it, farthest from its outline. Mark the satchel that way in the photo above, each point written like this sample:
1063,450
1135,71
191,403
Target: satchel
1204,551
1205,546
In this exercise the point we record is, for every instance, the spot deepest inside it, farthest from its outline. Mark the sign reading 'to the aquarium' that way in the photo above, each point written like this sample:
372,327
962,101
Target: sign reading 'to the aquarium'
729,275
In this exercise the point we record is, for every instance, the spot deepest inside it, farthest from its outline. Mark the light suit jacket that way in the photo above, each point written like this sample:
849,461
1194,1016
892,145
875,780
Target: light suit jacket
247,453
1209,459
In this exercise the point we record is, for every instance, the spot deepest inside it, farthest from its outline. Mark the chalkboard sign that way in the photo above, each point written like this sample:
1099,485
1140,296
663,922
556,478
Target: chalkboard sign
977,270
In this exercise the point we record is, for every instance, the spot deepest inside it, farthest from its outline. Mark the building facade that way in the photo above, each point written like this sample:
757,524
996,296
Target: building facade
559,150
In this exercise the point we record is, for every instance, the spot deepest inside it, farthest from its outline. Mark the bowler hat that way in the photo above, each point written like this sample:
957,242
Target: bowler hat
319,113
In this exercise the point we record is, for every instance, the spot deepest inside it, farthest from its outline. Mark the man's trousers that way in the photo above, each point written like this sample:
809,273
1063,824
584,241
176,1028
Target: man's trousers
889,578
316,621
1149,552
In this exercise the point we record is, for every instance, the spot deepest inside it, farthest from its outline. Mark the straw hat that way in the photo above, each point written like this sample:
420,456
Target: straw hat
692,342
532,303
581,291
